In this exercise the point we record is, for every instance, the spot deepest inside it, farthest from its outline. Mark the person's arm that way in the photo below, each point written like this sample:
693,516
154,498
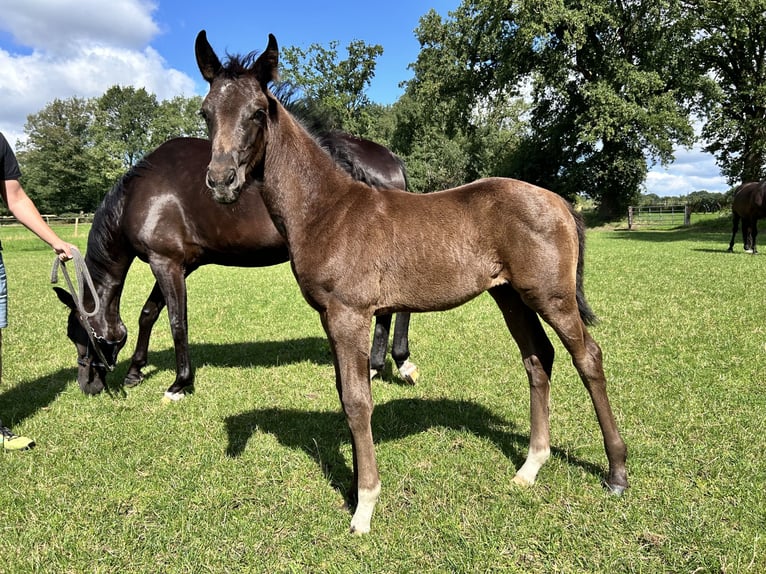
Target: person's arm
23,209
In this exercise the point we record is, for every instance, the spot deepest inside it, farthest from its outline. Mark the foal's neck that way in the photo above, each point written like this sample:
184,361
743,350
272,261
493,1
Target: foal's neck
299,175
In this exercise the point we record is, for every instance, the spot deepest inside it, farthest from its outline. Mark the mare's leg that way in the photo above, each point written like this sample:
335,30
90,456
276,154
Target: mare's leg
746,234
172,281
564,317
379,345
537,355
754,235
348,333
400,349
149,314
735,226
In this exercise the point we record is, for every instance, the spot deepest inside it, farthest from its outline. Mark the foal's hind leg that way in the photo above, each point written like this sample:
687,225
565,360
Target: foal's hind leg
149,315
537,355
400,349
587,359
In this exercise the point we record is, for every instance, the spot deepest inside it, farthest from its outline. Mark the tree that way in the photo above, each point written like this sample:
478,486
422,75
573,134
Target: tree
76,149
124,118
609,87
57,159
336,87
178,117
732,47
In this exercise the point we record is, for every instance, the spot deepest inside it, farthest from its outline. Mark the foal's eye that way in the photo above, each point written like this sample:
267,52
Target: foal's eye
259,115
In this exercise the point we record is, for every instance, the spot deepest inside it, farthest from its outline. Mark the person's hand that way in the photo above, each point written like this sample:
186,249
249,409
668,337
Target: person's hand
63,250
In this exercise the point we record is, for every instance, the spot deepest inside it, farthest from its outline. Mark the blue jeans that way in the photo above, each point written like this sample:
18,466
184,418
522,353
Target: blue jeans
3,295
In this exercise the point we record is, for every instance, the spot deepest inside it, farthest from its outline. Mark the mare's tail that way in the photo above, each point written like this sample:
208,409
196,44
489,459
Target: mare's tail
586,313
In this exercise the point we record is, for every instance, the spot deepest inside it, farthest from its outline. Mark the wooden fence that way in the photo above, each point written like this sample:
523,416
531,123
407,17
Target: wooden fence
75,220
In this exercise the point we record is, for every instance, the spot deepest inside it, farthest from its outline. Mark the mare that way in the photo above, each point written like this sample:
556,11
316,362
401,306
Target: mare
749,204
162,213
522,244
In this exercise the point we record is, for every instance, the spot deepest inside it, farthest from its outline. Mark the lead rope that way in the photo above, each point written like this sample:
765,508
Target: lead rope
83,278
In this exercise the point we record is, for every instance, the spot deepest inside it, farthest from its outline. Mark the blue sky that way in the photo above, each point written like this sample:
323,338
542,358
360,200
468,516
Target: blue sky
53,49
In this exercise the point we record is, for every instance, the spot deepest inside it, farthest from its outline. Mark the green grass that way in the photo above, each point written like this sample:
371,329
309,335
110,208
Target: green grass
250,473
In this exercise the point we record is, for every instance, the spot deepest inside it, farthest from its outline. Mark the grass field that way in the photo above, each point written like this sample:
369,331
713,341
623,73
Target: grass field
250,473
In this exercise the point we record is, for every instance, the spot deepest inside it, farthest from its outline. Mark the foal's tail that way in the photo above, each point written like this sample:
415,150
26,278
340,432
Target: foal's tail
586,313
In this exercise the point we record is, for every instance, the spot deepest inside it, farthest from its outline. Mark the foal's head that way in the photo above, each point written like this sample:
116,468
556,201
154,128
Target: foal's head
236,110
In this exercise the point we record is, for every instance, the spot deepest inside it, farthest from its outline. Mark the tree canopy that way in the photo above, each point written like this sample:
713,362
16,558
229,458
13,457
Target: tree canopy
579,96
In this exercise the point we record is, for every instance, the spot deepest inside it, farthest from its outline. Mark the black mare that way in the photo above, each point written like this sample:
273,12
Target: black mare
748,204
161,212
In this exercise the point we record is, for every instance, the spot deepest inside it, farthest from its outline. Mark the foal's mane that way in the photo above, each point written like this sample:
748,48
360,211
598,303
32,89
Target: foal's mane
236,65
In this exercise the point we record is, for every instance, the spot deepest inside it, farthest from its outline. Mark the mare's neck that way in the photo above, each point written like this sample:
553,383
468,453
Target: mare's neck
108,280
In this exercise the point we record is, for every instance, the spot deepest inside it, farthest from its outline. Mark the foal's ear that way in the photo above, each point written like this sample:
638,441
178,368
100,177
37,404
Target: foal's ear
266,67
207,61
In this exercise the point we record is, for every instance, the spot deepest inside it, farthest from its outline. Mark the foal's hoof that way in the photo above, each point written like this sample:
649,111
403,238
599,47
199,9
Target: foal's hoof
409,372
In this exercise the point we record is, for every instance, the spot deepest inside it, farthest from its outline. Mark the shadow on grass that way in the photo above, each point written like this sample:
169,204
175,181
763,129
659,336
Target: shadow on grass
321,434
314,350
24,400
671,235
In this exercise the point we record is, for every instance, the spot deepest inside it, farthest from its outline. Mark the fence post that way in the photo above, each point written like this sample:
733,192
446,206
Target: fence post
687,215
630,217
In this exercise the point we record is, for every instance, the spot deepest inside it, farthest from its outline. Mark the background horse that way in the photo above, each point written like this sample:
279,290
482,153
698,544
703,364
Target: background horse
521,243
162,213
749,204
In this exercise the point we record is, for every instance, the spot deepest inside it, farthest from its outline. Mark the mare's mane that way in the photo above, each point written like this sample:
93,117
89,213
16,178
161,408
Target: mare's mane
107,220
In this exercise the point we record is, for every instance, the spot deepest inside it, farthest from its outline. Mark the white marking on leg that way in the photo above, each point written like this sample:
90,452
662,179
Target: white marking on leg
173,397
409,372
360,523
527,474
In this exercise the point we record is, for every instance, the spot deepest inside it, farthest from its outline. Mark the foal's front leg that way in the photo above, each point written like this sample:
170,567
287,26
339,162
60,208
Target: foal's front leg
348,333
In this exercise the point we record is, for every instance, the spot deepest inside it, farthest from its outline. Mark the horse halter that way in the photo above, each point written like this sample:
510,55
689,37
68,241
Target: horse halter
94,342
83,278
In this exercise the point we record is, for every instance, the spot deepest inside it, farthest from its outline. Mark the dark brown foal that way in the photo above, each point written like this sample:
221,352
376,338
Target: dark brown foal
521,243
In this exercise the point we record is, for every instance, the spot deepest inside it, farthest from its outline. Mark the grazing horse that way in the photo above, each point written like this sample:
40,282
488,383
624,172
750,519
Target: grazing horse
748,204
162,213
436,251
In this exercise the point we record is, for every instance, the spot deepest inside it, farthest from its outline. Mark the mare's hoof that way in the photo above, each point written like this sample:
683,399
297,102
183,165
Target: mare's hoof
133,380
373,373
615,489
409,372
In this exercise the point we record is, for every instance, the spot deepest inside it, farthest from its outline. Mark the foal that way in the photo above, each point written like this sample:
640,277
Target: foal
357,255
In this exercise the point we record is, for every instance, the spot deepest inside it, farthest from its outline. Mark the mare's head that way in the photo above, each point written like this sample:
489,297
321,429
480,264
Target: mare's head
236,109
92,363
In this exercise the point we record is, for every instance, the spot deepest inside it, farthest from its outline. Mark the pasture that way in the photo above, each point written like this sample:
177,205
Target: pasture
249,474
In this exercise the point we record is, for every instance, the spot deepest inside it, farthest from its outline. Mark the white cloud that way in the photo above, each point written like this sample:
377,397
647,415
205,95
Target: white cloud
78,48
692,170
61,26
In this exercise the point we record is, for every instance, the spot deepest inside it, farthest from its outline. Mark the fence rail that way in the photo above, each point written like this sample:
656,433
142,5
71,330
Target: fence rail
665,215
76,220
